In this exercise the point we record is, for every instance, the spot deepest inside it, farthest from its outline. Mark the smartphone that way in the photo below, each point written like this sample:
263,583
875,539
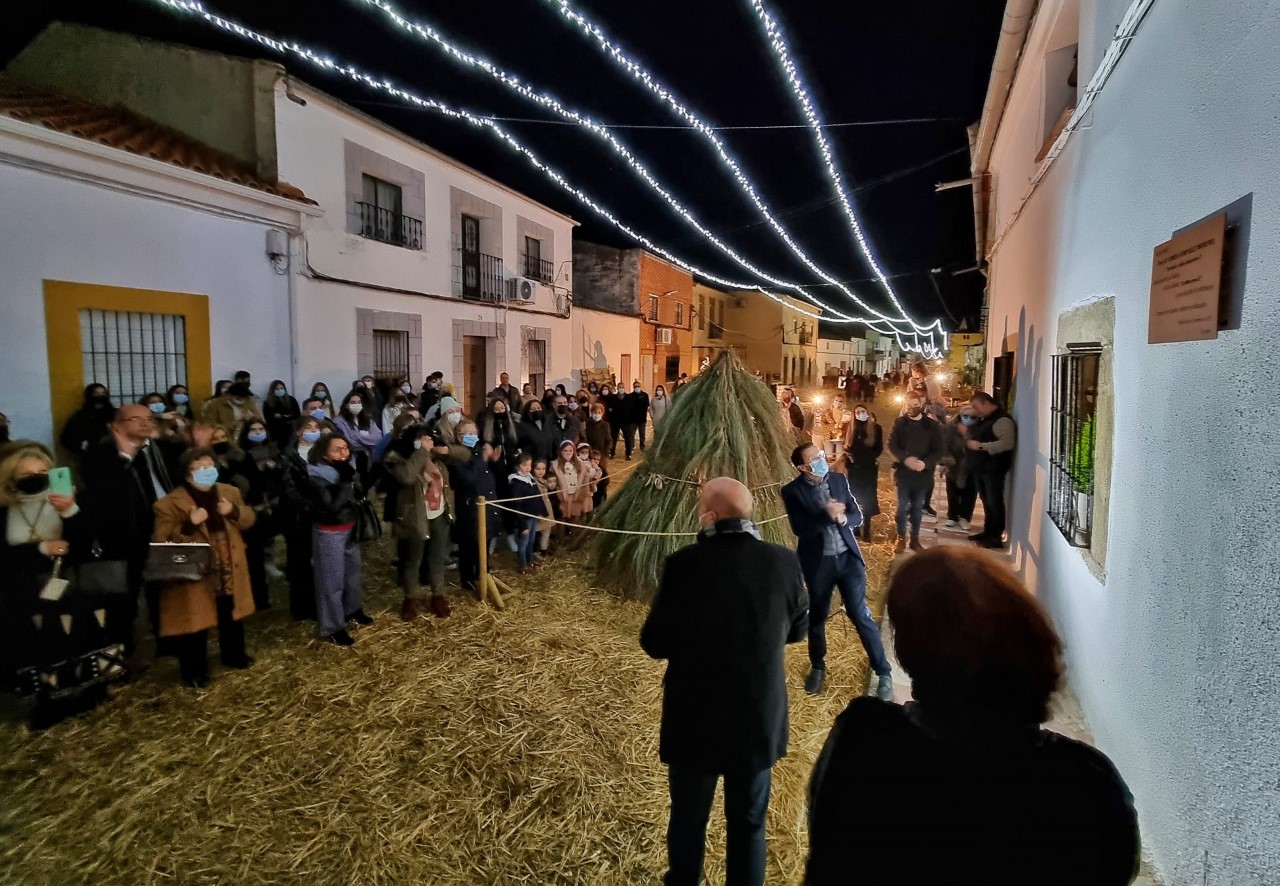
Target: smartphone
60,481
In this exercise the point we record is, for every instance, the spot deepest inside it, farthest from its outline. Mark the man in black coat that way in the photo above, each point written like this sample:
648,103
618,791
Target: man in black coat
824,514
917,443
725,609
992,441
635,415
124,476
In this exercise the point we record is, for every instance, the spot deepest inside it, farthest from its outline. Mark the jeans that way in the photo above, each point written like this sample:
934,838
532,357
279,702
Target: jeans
629,437
961,499
527,542
848,573
336,558
991,489
910,502
746,800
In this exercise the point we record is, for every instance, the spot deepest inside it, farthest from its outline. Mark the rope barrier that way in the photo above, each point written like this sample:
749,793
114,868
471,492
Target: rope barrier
618,473
588,526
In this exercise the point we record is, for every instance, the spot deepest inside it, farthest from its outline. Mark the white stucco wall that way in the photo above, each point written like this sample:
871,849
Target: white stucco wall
53,228
598,339
1174,657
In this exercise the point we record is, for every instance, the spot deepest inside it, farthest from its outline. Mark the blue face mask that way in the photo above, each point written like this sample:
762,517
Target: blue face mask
280,392
310,436
258,436
157,408
204,478
319,414
968,420
819,466
180,398
470,440
319,395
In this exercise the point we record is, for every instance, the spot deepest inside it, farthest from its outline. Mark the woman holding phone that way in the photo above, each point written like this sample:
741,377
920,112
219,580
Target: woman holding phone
46,633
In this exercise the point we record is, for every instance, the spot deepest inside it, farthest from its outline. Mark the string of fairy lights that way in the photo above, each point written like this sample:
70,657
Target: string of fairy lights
708,132
880,322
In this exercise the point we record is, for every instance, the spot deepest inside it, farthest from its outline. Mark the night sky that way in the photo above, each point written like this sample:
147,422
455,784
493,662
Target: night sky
863,61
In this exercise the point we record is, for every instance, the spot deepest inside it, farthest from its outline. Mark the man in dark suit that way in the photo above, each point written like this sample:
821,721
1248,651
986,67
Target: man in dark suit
823,515
725,609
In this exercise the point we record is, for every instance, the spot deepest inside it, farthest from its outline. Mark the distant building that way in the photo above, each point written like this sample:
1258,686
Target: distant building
637,284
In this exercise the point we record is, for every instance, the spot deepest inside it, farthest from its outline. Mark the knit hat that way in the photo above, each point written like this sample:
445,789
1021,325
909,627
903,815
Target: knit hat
447,403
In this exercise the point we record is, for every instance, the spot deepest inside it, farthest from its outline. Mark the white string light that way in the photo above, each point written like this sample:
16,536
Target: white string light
330,65
779,44
709,133
432,36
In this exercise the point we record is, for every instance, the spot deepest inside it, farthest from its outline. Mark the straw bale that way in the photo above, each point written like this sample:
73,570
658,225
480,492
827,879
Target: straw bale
512,747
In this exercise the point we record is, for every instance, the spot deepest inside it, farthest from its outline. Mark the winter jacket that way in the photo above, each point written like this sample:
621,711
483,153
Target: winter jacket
409,518
334,492
919,438
523,486
358,438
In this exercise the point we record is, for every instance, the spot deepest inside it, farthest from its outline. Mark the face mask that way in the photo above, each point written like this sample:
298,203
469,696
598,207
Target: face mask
406,389
819,466
573,406
180,398
636,389
417,444
562,409
355,407
203,478
32,485
455,417
535,414
596,416
860,415
221,448
470,440
280,392
914,411
319,395
968,420
319,414
434,385
605,392
157,408
661,395
499,412
310,436
257,436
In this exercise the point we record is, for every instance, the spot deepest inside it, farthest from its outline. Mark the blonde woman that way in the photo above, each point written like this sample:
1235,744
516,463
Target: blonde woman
573,487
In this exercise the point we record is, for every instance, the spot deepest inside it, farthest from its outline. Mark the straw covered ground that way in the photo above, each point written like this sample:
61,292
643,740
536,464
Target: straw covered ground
491,747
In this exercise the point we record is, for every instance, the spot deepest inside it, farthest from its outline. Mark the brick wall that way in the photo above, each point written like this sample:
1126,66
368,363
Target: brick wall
657,277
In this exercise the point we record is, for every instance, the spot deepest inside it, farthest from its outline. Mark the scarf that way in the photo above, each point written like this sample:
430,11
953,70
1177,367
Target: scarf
732,526
207,499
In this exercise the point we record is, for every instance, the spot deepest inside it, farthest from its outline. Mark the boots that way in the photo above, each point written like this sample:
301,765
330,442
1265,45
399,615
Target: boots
409,610
915,543
900,545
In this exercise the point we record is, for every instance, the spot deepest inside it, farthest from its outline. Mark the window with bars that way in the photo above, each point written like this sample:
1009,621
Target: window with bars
679,314
1073,417
133,353
653,309
702,311
390,355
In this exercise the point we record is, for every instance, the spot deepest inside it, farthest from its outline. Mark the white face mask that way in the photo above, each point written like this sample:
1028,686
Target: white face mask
455,417
354,407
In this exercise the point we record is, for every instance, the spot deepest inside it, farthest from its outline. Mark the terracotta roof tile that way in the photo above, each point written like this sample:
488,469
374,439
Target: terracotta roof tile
118,127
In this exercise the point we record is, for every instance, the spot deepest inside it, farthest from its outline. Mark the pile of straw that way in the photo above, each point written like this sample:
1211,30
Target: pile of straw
726,422
492,747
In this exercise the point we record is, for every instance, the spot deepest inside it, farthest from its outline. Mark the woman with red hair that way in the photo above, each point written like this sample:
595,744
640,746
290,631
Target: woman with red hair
962,785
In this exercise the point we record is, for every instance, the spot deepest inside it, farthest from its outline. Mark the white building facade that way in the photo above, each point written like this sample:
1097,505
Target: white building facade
1146,473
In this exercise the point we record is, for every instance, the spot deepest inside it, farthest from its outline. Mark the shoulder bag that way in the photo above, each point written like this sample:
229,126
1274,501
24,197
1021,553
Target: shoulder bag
368,527
169,561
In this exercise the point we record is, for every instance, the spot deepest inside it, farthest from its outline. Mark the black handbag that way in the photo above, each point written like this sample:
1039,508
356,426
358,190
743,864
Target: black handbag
169,561
368,527
98,576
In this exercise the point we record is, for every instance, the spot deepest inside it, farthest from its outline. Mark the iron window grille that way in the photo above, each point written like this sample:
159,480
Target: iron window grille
679,314
1073,420
653,309
534,266
133,353
381,216
390,356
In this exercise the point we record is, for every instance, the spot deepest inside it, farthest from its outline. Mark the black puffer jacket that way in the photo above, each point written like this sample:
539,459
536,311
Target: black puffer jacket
333,498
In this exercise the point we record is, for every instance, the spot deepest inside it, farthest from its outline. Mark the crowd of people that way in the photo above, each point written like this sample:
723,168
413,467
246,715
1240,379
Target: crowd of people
228,479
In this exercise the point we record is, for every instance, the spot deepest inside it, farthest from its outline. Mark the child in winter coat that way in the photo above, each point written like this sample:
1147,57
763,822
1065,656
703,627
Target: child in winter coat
528,501
546,485
573,489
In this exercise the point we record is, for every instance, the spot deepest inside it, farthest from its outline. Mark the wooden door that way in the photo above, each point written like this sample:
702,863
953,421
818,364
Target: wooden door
624,372
476,373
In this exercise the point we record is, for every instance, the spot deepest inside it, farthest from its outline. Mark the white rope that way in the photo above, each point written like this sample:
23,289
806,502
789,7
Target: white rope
618,473
501,507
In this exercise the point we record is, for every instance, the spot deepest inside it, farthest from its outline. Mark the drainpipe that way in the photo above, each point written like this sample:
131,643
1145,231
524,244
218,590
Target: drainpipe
295,266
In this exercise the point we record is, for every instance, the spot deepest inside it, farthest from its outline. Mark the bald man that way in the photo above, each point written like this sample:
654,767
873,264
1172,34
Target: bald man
725,609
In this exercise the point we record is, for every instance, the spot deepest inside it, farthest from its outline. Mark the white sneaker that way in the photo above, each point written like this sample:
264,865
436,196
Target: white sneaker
950,524
964,524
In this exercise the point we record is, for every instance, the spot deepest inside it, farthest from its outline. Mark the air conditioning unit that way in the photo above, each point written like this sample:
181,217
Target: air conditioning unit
524,289
662,336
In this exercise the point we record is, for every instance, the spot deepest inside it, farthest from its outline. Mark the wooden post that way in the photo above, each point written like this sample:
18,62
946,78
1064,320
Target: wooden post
485,584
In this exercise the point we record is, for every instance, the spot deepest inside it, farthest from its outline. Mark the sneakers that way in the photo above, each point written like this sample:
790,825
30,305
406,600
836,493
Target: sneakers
512,543
964,524
341,638
930,511
900,545
884,687
815,681
440,606
915,543
950,524
408,610
272,571
360,618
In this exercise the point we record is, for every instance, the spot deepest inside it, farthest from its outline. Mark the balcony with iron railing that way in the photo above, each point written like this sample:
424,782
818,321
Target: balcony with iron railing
480,276
715,331
386,226
537,268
